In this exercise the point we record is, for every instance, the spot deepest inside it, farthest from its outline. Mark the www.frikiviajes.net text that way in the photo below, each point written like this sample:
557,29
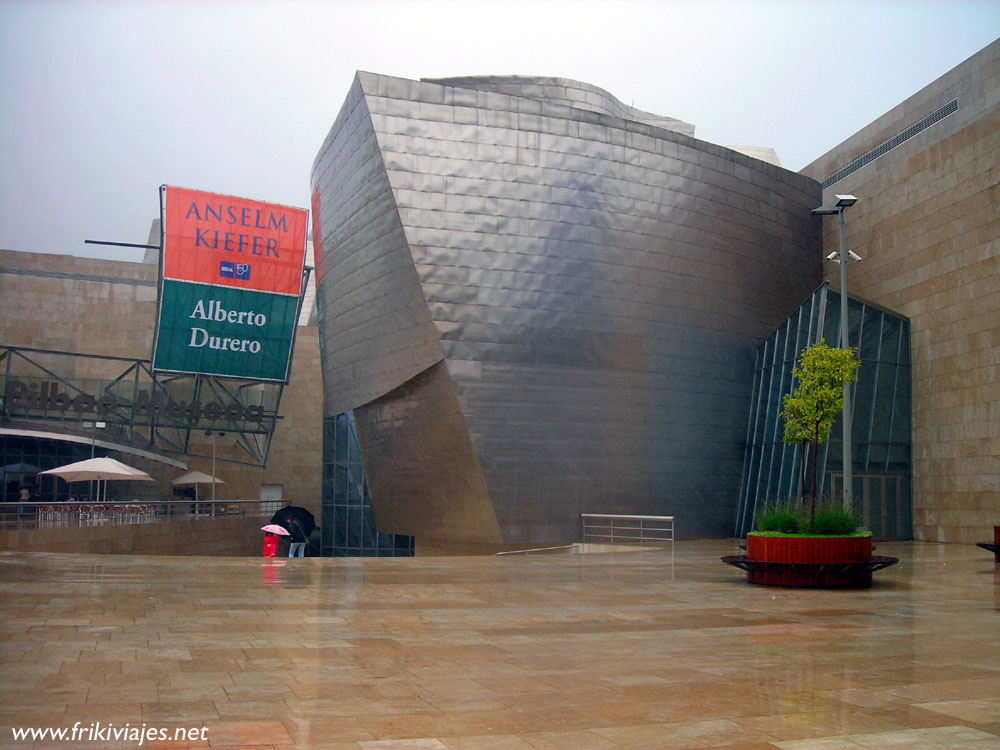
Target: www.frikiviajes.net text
98,732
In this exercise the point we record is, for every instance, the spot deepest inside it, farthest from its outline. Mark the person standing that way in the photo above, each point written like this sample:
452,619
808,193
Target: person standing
270,544
297,538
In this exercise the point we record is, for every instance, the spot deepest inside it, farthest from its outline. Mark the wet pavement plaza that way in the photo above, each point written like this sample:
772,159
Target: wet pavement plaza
549,651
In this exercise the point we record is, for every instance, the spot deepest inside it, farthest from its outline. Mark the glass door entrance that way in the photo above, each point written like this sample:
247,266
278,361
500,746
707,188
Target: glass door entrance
881,501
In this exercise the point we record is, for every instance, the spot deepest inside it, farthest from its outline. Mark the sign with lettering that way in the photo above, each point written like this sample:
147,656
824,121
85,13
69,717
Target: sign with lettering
235,242
230,285
85,399
222,331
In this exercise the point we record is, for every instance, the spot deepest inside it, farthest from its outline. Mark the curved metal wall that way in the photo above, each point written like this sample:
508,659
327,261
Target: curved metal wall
568,92
595,286
375,329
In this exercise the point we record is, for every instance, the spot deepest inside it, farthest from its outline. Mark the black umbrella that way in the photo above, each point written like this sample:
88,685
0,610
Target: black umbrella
293,512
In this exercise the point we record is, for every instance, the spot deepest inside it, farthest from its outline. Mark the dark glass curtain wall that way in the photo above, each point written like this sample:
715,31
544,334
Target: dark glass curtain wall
348,528
881,426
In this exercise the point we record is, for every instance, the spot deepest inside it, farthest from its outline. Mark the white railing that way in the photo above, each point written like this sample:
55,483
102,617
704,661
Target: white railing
534,550
605,528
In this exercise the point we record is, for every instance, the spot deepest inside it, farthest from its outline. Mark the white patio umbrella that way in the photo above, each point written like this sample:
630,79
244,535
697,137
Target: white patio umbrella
106,469
196,478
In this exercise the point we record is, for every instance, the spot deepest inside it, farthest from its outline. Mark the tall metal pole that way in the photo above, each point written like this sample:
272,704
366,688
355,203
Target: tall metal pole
214,439
90,484
844,344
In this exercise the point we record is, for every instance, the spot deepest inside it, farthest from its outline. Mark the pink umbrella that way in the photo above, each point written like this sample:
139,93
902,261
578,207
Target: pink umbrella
273,528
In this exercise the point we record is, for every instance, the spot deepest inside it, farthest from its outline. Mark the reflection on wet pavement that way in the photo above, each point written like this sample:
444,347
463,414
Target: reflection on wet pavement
615,650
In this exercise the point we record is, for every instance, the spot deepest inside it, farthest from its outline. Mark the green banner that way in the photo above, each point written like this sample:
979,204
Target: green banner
224,331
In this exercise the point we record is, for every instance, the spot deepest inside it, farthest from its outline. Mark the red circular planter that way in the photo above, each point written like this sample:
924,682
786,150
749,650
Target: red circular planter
810,561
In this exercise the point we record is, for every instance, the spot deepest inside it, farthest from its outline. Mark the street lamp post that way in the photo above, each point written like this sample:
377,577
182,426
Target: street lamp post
214,436
843,258
94,426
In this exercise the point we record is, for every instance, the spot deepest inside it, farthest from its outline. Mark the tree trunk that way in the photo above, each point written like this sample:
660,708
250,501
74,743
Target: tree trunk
812,502
802,472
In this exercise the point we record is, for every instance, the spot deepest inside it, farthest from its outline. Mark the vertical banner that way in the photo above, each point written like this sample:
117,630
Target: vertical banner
230,285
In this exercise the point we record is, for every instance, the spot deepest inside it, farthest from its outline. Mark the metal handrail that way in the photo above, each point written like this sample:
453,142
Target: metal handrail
20,513
615,528
533,549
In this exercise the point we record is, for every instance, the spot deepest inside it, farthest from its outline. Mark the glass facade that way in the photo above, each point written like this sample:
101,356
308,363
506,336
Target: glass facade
348,528
23,457
881,419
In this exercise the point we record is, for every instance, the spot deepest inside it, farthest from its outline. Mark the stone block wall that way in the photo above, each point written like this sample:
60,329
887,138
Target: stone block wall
82,305
228,536
105,307
296,458
927,224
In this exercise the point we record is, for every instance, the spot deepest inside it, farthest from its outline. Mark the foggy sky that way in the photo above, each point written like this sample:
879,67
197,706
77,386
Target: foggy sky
102,101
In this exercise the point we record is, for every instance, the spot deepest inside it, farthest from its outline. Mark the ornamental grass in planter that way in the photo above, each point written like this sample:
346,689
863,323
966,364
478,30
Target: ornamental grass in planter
825,548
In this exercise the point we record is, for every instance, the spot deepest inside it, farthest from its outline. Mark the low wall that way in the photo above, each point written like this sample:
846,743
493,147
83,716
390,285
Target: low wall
228,536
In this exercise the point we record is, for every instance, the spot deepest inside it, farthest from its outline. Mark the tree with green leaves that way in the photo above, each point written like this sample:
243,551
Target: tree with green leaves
809,411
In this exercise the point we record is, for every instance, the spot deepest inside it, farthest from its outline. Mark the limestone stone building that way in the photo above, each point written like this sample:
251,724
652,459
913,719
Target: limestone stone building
927,224
71,321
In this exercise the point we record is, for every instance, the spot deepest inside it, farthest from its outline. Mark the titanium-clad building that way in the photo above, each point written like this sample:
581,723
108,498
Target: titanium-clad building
540,302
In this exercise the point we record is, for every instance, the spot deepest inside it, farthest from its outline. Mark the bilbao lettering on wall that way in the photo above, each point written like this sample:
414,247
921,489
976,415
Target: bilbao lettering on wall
232,274
42,398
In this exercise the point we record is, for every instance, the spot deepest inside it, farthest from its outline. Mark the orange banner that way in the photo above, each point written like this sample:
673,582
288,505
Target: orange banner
236,242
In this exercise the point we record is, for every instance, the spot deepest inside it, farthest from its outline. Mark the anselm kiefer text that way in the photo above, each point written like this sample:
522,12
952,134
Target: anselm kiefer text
236,241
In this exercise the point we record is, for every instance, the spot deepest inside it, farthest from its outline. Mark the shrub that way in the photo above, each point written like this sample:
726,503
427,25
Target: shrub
830,519
785,519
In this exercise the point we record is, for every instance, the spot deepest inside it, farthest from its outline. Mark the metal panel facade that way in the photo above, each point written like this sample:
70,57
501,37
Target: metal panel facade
594,288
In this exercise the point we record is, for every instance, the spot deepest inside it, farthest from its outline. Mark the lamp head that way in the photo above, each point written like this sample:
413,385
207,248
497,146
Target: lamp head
841,202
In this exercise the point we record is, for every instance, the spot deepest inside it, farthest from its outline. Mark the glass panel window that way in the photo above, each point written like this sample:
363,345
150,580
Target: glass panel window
881,423
871,334
889,351
341,438
346,505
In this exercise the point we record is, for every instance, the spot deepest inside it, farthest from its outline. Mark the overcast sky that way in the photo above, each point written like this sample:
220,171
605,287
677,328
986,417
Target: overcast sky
101,102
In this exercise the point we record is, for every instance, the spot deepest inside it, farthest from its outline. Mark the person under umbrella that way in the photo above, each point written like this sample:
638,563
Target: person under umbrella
306,525
271,533
303,516
297,538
